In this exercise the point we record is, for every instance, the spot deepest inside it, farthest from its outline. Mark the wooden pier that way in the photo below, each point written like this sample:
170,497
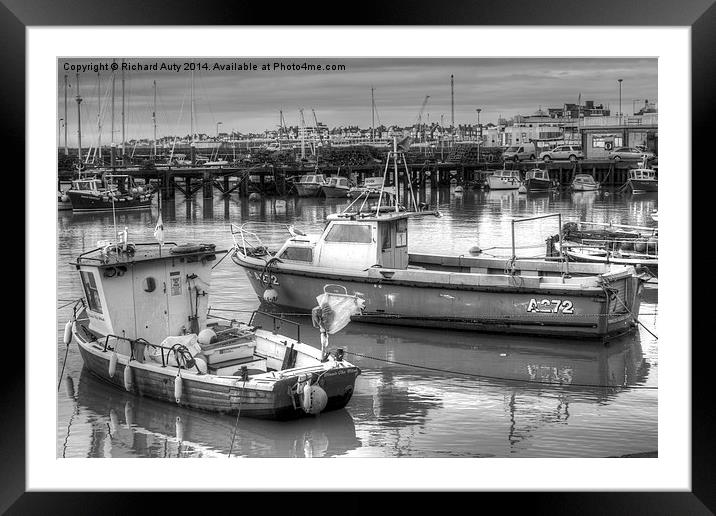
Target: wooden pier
270,180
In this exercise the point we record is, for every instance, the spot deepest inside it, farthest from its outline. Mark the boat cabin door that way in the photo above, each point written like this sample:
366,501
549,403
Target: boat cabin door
393,238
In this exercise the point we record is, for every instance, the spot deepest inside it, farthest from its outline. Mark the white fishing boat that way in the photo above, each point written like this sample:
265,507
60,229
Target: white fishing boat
364,250
620,244
584,183
337,187
504,180
144,326
642,180
310,185
371,188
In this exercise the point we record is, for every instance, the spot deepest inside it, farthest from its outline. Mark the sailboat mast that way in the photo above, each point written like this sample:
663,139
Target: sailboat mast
67,151
112,117
395,169
303,135
372,114
122,111
154,118
79,121
192,106
99,116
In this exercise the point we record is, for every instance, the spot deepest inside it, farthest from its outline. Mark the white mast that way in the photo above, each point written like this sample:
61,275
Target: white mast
79,121
303,135
154,119
122,111
192,106
99,116
372,114
67,151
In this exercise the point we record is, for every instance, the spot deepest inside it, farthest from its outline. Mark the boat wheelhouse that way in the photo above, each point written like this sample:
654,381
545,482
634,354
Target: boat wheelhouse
584,183
642,180
538,180
371,188
310,185
108,192
504,180
144,326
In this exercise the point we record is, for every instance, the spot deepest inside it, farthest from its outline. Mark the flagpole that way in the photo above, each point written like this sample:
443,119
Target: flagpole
159,216
114,217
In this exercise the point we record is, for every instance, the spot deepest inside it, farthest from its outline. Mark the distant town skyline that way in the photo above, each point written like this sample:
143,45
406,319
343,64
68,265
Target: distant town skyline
237,95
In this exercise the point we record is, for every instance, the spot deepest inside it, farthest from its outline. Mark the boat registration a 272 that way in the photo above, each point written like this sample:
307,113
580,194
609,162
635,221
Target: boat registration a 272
564,306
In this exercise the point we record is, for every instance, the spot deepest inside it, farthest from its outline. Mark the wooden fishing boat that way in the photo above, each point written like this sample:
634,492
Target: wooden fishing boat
365,252
642,180
144,326
504,180
538,180
370,188
336,187
108,192
619,244
310,185
584,183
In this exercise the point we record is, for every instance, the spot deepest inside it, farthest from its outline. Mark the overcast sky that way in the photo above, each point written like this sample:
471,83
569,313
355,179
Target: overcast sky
249,101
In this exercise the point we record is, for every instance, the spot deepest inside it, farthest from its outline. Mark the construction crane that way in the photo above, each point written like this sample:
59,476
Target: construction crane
419,120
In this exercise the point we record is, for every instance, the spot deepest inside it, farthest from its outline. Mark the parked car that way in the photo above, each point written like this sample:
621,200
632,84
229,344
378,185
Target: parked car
570,152
629,153
520,152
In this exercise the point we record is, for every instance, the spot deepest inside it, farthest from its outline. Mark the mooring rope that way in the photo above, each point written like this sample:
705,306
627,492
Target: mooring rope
501,378
236,424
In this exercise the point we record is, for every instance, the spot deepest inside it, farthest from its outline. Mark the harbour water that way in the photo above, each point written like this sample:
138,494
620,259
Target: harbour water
471,394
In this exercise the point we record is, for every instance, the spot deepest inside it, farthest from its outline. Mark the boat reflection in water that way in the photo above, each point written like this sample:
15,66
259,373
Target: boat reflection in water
527,384
122,425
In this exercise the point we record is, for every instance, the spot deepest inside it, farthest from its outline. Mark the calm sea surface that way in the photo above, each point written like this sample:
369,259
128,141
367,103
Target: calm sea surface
591,400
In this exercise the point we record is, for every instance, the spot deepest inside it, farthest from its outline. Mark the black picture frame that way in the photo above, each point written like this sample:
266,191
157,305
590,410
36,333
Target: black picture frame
700,15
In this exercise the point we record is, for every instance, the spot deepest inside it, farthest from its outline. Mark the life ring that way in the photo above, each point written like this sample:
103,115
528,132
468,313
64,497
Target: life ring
186,248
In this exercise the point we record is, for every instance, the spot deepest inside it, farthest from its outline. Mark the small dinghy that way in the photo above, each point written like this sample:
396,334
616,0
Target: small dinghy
144,325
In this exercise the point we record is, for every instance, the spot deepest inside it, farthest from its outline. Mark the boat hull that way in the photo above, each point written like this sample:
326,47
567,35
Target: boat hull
308,190
585,187
82,202
643,185
517,309
538,185
227,397
334,192
497,183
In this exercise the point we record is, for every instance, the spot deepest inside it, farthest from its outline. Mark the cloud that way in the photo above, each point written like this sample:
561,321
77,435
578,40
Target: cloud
249,101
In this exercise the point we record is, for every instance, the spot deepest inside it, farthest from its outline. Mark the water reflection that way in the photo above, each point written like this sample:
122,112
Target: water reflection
122,425
519,397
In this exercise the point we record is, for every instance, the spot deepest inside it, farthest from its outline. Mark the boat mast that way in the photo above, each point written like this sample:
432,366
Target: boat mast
372,114
395,169
112,148
154,119
67,151
122,111
192,107
99,117
303,135
452,108
79,120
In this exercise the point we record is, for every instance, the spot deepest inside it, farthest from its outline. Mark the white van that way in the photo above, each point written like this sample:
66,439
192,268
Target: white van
520,152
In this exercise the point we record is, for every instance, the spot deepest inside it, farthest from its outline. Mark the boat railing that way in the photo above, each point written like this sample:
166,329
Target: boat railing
179,350
651,231
650,248
116,246
276,321
562,258
248,242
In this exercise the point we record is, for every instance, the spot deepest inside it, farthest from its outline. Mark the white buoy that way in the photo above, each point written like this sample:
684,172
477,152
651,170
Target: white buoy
112,364
270,295
179,424
129,414
315,399
65,198
201,364
206,336
128,377
68,333
177,388
113,421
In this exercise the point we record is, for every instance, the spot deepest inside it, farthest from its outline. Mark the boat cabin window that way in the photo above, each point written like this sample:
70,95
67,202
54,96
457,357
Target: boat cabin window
299,254
402,233
91,292
353,233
